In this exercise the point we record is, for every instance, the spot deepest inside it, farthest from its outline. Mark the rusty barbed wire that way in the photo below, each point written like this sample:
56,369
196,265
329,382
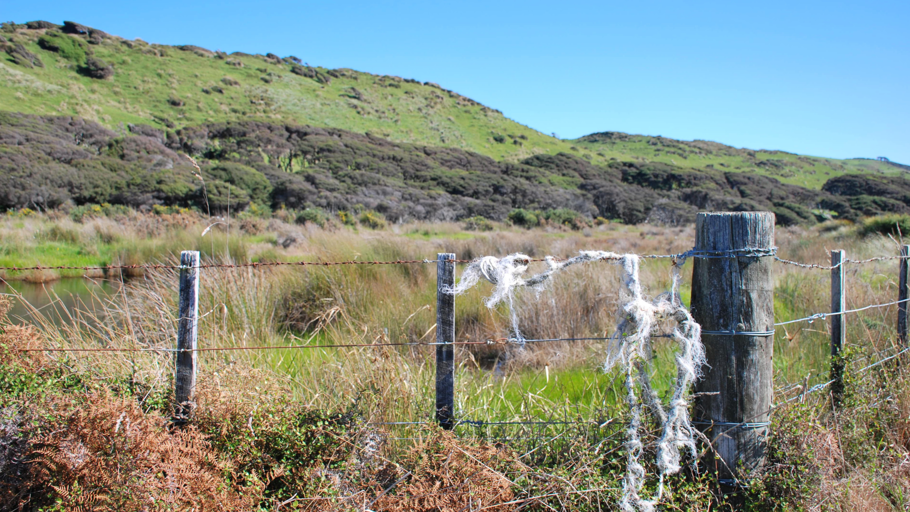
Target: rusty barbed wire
832,267
677,258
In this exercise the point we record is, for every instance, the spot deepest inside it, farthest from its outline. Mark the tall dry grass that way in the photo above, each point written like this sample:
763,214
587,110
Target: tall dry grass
318,306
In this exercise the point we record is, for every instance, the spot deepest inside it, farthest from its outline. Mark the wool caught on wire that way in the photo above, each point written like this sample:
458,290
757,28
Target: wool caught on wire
506,274
630,348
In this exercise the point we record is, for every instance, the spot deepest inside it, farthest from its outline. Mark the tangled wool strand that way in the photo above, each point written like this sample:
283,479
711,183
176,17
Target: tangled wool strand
630,348
506,274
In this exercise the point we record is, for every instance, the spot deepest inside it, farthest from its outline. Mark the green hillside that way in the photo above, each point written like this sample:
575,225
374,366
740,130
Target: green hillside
173,87
47,71
805,171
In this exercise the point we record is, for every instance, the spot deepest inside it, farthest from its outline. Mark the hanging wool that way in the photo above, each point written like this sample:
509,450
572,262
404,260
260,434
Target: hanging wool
630,349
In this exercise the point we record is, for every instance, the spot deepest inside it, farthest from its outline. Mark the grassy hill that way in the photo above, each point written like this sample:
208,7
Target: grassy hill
45,71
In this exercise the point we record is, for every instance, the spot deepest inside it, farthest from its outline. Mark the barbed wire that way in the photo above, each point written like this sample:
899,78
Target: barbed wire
822,316
832,267
747,252
494,342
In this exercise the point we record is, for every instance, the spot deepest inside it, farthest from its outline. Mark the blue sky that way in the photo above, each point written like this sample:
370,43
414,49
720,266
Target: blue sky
817,78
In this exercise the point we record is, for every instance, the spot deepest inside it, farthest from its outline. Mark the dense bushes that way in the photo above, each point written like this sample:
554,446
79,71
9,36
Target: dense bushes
313,216
255,183
97,68
893,224
49,161
21,56
523,218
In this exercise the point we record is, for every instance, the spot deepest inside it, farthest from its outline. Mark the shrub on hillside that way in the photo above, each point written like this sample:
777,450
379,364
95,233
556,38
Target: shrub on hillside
252,181
372,219
478,223
312,216
893,224
227,81
523,218
71,27
220,197
40,24
566,217
347,218
23,57
97,68
87,211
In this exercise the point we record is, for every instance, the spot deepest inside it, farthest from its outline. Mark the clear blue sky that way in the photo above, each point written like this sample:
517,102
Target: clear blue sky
819,78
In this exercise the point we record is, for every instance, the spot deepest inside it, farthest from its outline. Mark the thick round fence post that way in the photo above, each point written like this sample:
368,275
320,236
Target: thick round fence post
838,326
903,294
733,301
187,325
445,337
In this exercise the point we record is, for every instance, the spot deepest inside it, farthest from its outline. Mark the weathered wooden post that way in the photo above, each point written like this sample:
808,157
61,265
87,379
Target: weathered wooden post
903,294
838,329
445,337
733,300
187,325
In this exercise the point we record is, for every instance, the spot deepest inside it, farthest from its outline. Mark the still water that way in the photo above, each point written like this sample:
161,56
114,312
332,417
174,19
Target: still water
55,300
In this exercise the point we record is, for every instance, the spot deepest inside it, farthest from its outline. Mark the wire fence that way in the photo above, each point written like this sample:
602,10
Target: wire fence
677,259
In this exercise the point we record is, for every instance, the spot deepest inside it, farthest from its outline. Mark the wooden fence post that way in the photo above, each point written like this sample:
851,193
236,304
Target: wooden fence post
445,336
187,324
733,300
903,293
838,325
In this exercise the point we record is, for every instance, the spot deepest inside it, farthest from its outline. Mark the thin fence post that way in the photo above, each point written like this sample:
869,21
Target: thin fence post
445,336
838,325
187,325
903,294
733,301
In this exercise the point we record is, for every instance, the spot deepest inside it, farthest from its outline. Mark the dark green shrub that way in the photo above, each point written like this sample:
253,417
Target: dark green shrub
347,218
87,211
23,57
36,25
97,68
523,218
478,223
71,27
69,48
566,217
220,197
252,181
892,224
372,219
312,216
498,137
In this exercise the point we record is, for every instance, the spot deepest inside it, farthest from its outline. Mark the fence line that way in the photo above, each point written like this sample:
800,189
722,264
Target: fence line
681,257
751,240
495,341
822,316
832,267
